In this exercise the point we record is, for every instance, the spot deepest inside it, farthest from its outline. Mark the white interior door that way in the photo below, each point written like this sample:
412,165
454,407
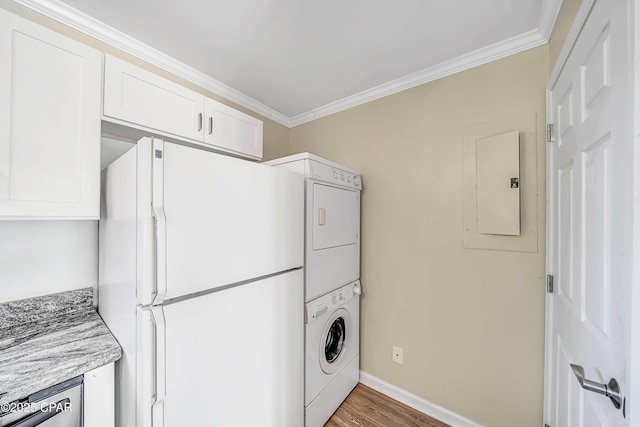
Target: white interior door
590,171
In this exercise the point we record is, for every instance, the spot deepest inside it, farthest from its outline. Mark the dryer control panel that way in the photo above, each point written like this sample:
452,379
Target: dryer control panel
334,175
320,169
313,310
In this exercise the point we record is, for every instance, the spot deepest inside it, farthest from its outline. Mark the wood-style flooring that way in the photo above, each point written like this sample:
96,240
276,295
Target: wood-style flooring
366,407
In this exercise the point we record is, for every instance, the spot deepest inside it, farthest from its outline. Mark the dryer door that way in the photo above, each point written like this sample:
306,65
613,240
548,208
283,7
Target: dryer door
332,247
336,216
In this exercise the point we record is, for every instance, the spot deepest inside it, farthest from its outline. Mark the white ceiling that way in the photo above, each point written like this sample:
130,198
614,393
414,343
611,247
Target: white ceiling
299,59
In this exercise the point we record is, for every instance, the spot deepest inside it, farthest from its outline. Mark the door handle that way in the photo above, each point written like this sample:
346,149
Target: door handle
611,390
210,125
321,216
199,122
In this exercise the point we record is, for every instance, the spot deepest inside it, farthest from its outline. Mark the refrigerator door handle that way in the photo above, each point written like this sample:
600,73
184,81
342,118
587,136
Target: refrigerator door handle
157,411
161,254
157,205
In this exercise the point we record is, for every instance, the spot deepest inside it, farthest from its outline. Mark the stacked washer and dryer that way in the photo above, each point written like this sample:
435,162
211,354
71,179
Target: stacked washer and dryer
332,287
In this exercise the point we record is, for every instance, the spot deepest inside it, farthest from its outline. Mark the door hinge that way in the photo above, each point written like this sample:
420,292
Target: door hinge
549,283
550,132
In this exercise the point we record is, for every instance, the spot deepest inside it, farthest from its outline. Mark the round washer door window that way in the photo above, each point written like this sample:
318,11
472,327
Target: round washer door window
333,342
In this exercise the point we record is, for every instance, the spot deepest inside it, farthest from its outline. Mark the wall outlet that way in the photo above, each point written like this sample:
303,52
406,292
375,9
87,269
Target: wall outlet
396,355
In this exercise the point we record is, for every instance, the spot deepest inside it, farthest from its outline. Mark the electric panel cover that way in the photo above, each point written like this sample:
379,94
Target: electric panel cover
498,186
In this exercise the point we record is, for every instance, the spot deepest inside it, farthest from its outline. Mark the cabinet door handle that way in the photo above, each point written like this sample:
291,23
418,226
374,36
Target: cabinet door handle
210,125
199,122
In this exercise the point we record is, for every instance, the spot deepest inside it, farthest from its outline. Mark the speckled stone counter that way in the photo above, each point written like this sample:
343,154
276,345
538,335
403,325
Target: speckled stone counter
50,339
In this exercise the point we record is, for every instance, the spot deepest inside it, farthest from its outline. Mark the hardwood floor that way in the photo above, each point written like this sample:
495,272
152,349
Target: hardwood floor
366,407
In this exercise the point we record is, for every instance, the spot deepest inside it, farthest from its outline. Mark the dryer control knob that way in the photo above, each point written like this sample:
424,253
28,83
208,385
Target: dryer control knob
356,290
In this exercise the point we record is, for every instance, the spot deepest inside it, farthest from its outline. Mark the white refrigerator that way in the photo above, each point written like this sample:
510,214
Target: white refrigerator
201,282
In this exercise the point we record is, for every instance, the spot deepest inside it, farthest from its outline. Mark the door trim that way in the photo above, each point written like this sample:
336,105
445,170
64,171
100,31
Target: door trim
567,48
633,372
572,37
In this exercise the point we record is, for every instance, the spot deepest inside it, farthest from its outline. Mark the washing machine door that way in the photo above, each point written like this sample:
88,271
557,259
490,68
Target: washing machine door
333,346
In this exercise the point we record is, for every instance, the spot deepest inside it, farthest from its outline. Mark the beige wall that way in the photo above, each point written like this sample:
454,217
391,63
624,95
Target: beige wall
471,322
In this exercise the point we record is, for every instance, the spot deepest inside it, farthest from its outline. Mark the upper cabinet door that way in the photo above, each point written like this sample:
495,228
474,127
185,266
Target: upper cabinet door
232,130
137,98
49,123
143,99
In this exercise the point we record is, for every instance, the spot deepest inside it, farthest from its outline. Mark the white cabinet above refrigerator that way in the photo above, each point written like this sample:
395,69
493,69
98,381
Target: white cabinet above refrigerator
137,98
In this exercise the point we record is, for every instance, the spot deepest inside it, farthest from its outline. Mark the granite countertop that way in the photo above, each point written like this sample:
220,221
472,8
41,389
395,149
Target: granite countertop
48,340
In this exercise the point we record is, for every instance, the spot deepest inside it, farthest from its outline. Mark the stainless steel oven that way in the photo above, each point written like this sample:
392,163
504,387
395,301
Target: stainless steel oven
57,406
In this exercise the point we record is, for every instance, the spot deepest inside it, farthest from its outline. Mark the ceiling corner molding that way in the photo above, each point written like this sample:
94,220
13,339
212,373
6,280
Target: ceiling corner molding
519,43
71,17
547,18
80,21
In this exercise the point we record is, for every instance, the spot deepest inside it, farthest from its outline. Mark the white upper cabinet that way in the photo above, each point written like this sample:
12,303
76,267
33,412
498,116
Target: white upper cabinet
143,99
137,98
49,123
229,128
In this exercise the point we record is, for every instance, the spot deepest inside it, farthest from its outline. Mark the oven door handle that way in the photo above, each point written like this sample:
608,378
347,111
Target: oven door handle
40,417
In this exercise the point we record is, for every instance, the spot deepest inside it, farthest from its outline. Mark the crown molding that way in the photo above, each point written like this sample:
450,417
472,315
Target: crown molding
92,27
481,56
534,38
67,15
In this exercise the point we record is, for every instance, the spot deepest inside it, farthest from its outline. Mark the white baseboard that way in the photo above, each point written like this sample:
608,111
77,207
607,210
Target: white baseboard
416,402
